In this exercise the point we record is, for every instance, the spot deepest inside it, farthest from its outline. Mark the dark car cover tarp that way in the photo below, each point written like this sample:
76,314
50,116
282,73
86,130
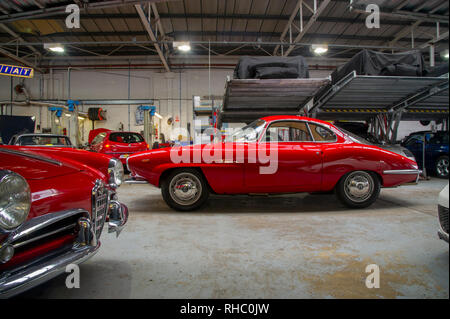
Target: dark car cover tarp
366,62
438,71
271,68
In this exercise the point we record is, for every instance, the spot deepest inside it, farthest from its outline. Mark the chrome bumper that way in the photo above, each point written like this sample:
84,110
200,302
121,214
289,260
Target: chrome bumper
135,181
405,172
16,281
29,277
118,217
443,235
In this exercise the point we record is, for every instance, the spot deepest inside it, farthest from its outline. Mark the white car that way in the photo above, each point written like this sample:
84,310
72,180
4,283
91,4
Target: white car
443,214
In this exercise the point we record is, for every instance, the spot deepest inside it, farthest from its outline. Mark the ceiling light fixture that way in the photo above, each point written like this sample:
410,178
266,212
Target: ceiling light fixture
158,115
184,46
54,47
319,49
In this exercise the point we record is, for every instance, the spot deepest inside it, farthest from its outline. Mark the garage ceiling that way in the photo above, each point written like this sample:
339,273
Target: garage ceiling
114,28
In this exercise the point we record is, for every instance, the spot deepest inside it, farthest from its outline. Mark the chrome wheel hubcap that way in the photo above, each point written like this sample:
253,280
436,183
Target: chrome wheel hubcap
359,186
442,167
185,189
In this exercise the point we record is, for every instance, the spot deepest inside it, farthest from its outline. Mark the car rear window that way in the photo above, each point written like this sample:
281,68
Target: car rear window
127,138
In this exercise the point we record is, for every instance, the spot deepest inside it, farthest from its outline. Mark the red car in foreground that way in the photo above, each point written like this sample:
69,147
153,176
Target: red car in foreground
273,155
118,144
54,203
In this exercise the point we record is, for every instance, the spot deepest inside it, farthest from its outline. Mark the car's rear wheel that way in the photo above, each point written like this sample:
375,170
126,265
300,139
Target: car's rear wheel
185,189
358,189
442,167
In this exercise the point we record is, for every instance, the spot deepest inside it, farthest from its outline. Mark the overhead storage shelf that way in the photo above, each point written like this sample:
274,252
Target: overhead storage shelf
361,96
250,99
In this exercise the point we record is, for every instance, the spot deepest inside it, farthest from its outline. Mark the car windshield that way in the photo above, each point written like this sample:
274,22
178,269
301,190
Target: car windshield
127,138
249,133
44,140
355,138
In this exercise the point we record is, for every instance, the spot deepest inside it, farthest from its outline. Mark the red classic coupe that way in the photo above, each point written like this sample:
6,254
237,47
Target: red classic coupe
273,155
54,203
118,144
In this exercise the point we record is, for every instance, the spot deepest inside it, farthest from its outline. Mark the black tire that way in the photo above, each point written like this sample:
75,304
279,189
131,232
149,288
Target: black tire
358,196
192,179
441,167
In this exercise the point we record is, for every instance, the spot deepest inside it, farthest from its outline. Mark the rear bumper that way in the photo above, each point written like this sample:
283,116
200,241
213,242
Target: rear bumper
410,176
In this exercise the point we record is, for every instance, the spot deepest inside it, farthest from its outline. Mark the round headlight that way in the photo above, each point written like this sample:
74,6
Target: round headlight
15,200
115,172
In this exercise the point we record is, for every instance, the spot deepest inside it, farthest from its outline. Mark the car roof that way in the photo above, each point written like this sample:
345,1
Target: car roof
293,117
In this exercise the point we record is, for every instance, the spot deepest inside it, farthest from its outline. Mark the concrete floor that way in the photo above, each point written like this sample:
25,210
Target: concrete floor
299,246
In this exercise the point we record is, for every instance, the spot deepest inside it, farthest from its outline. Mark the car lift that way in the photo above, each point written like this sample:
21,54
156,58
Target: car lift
384,101
246,100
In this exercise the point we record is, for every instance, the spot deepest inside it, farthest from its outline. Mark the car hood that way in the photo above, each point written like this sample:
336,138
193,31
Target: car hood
34,166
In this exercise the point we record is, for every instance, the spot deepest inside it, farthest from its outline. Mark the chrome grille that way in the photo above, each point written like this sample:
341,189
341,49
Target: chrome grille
99,207
443,218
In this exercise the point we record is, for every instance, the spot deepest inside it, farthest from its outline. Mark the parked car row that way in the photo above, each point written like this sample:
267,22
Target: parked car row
47,223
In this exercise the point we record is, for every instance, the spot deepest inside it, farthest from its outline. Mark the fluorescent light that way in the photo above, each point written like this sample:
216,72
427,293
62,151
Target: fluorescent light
444,54
80,118
68,115
158,116
184,46
54,47
319,49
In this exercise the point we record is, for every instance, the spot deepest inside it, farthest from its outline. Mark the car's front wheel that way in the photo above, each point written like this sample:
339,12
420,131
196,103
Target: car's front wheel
185,189
358,189
442,167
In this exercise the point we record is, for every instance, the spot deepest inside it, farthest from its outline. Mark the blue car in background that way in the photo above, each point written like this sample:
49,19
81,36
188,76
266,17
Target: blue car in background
436,150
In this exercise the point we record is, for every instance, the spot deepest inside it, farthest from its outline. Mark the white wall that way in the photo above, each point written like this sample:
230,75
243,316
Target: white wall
172,93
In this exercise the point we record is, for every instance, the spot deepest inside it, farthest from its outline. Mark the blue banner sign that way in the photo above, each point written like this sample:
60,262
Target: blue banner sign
13,70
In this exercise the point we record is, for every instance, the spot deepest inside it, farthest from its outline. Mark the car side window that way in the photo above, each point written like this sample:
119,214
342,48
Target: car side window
99,138
294,131
414,139
322,134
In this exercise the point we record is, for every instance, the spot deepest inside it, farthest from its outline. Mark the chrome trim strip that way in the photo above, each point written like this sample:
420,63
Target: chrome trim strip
13,284
23,243
402,172
37,157
41,222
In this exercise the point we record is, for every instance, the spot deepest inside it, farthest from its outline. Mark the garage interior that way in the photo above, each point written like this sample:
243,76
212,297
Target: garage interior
124,58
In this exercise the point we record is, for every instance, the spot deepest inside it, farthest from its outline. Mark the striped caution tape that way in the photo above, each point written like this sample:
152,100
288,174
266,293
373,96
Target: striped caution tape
382,111
427,111
355,110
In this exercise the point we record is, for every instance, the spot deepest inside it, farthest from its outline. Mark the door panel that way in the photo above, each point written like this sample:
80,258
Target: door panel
298,168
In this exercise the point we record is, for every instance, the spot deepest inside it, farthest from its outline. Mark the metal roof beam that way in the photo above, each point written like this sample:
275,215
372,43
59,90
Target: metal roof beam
222,33
297,10
38,4
149,30
14,6
19,59
58,9
408,15
16,36
308,25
